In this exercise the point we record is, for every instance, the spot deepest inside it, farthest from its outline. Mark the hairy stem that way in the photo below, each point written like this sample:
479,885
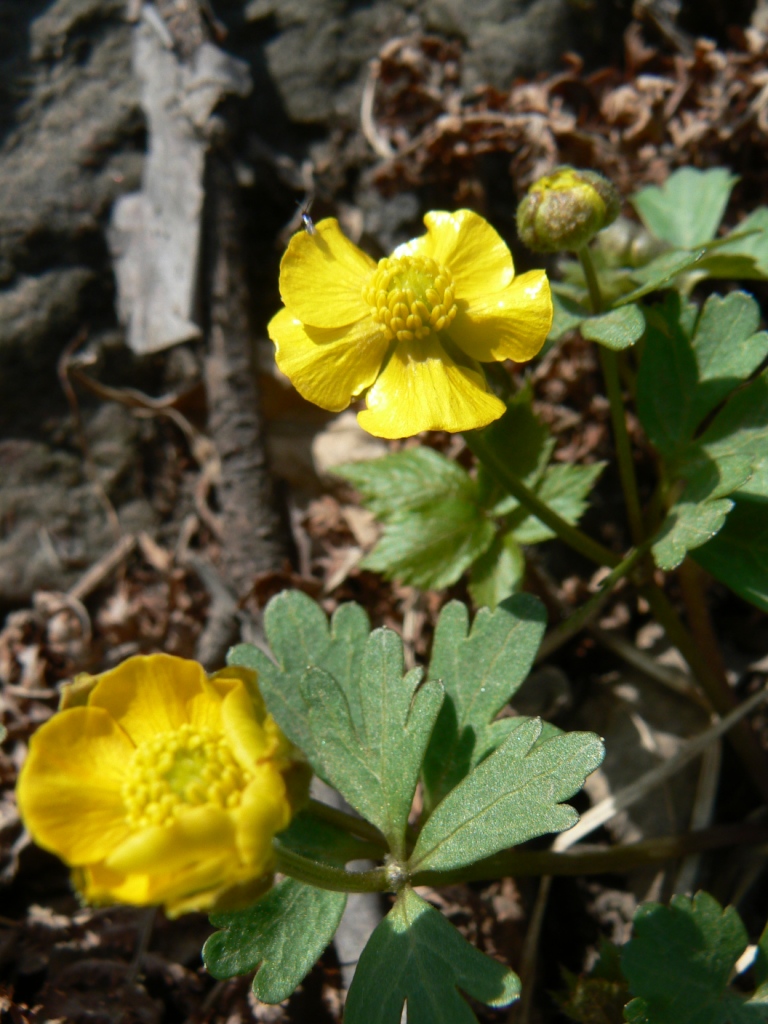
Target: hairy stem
324,876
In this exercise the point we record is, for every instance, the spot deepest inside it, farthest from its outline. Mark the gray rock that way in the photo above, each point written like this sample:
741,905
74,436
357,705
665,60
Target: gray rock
53,521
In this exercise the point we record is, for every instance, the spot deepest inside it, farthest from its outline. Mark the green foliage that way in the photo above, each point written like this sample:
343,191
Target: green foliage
300,637
416,957
480,671
738,555
282,935
285,933
370,743
679,963
434,523
438,521
618,329
688,208
693,362
511,796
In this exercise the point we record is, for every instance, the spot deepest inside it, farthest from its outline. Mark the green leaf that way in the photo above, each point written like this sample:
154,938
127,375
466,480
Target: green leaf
370,744
565,488
738,555
498,573
661,272
527,446
286,931
679,961
416,957
666,382
740,432
744,253
511,796
727,348
299,635
480,671
284,935
617,330
686,211
568,315
691,363
688,525
434,527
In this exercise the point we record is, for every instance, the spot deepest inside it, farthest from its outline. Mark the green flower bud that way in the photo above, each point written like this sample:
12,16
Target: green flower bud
565,210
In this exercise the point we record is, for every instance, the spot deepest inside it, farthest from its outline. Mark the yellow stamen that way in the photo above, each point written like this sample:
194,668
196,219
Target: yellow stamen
178,769
411,296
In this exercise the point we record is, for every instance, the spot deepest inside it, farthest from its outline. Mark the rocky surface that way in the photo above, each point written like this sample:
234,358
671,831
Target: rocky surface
72,141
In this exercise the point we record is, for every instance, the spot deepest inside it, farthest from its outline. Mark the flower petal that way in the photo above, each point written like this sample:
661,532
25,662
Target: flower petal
69,792
422,388
197,834
465,243
512,324
328,367
264,810
322,277
156,693
245,734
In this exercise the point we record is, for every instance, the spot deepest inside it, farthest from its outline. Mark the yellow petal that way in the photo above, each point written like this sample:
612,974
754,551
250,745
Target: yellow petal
69,791
512,324
328,367
465,243
322,277
157,693
422,388
227,679
245,734
264,811
197,834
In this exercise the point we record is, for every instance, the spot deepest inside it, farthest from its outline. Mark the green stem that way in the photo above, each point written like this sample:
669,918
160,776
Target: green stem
590,860
610,368
324,876
478,444
609,364
579,619
349,822
742,736
581,860
593,284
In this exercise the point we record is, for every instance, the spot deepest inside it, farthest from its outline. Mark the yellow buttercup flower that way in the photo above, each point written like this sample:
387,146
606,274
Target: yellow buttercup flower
410,331
159,784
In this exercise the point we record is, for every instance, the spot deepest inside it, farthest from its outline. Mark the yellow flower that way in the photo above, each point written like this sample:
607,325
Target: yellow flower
159,784
412,329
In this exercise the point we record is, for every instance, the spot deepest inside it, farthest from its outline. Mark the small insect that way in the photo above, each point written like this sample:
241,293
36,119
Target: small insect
304,208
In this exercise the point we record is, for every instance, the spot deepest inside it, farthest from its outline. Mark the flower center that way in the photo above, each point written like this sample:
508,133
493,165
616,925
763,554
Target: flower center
176,770
411,296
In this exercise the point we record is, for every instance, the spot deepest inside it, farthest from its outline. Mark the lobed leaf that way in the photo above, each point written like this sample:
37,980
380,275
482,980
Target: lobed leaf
617,330
738,555
498,573
687,209
370,742
511,796
282,937
679,961
416,958
434,526
286,931
300,636
480,669
688,525
565,488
